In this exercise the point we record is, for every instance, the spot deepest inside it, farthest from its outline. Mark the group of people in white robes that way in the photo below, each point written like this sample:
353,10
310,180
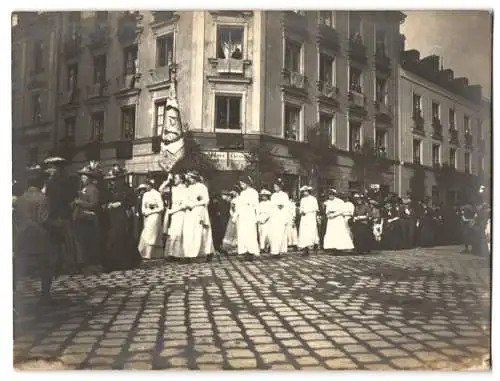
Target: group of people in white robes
185,221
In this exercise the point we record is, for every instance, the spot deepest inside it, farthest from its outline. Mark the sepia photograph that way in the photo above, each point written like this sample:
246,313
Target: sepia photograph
251,189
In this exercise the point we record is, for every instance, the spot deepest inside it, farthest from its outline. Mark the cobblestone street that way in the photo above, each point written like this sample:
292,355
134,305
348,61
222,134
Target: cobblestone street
414,309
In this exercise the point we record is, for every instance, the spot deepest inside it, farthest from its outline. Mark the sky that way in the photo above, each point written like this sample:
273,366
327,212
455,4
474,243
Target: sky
463,38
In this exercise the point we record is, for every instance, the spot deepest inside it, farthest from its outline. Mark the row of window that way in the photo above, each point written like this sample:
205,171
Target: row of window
452,156
437,117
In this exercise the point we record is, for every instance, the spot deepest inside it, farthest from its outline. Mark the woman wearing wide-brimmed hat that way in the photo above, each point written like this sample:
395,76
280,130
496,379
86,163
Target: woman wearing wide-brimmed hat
197,230
121,248
246,219
338,234
61,190
308,229
150,243
280,218
86,214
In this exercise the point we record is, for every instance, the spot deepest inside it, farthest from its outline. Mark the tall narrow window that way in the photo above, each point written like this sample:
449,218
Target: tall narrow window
467,125
355,79
381,90
354,136
72,78
292,122
467,162
417,150
69,128
228,112
436,154
38,56
381,141
380,43
355,27
417,106
326,69
292,56
436,114
130,59
98,126
160,109
36,105
326,126
128,123
100,69
230,41
451,118
453,158
164,50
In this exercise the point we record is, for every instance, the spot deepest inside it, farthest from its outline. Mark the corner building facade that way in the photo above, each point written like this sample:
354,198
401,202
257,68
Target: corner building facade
243,78
446,132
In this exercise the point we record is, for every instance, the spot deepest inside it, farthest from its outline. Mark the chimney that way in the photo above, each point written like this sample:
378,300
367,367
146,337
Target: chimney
431,62
448,74
402,40
411,56
462,82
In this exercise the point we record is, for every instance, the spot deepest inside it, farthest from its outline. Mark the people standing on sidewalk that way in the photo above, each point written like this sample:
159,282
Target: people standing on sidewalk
230,240
197,231
176,214
150,243
121,249
61,191
338,234
37,235
308,228
263,215
361,226
246,220
86,215
279,220
138,217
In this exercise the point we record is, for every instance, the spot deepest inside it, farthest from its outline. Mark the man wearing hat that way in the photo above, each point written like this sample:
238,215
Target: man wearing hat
61,191
361,228
35,247
308,229
87,210
246,219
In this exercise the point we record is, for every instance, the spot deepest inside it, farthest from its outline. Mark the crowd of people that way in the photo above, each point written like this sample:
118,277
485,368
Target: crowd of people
61,226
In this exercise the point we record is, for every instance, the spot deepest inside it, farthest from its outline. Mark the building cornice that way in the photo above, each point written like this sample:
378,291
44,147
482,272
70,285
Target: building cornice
415,78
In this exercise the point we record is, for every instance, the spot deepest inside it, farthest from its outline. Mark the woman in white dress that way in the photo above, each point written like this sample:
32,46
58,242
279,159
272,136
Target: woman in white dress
197,232
176,215
308,229
246,220
338,235
150,243
263,215
165,189
292,234
230,241
278,222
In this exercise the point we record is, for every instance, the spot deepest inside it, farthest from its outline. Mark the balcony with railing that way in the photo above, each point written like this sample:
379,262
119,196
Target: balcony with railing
469,139
357,100
437,129
70,97
383,108
453,135
97,90
357,50
327,91
126,82
229,66
380,152
418,123
293,80
99,35
129,26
